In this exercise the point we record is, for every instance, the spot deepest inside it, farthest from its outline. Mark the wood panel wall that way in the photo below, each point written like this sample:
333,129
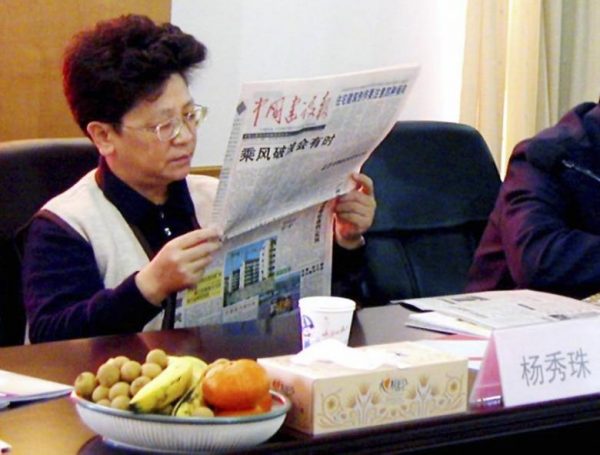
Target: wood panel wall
33,35
213,171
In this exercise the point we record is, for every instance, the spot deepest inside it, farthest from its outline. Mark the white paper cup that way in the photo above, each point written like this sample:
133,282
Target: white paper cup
325,317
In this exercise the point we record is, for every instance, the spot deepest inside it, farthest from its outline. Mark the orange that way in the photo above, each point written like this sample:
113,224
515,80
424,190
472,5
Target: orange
263,405
235,385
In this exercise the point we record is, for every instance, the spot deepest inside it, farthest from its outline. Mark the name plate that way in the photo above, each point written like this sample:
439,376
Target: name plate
541,362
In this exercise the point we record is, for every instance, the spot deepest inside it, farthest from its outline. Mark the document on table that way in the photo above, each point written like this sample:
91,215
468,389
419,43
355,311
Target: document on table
500,309
292,148
16,387
439,322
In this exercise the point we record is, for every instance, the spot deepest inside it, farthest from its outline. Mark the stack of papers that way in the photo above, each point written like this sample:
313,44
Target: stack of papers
480,313
17,387
439,322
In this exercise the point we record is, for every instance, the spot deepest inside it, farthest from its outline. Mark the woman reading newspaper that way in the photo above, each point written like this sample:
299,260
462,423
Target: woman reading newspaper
103,257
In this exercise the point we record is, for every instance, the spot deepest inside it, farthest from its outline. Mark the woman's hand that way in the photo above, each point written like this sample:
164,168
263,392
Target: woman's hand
178,265
354,213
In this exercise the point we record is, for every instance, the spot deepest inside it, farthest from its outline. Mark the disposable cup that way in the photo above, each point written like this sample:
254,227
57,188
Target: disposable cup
325,317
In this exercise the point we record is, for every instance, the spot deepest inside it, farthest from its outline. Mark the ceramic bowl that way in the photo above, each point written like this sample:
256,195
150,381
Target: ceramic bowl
168,434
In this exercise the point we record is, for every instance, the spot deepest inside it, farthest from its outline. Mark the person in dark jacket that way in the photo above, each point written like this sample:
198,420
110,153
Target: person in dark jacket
544,232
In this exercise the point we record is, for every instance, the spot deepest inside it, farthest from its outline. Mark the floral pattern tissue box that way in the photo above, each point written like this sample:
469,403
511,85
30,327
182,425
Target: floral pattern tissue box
328,397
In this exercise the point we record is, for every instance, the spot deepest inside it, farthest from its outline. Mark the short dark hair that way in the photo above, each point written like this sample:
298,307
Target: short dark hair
108,69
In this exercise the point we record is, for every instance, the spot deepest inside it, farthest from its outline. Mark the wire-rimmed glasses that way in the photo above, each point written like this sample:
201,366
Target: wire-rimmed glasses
169,130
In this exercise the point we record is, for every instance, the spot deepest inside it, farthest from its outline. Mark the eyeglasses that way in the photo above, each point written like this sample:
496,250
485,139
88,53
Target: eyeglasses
170,129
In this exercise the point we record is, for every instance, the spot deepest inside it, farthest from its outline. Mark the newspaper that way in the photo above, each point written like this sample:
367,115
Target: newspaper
499,309
292,148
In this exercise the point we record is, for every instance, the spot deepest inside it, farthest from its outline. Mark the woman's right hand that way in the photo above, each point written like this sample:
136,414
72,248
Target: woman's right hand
178,265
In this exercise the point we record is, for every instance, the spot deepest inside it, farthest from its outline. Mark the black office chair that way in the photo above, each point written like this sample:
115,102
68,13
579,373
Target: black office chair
435,184
31,172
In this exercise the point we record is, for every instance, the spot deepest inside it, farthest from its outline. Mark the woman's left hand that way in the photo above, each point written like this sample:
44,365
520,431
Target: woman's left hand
354,213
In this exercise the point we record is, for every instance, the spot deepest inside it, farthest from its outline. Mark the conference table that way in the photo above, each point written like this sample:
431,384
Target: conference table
53,426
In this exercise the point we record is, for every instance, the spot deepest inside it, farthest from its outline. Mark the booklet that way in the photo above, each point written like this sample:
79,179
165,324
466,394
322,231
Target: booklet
16,387
496,310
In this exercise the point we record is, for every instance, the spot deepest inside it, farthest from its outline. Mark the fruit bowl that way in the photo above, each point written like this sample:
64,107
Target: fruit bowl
154,432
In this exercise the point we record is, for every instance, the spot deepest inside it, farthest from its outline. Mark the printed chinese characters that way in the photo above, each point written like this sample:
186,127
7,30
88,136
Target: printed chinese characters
537,369
276,152
288,110
369,94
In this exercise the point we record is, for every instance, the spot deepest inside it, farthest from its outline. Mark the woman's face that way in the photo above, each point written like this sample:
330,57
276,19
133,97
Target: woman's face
140,158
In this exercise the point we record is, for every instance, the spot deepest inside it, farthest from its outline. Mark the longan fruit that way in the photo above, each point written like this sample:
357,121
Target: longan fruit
99,393
108,374
118,389
130,370
104,402
85,384
151,370
203,411
137,384
120,360
157,356
120,402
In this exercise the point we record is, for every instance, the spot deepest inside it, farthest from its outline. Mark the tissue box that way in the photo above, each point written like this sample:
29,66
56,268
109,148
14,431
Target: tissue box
327,397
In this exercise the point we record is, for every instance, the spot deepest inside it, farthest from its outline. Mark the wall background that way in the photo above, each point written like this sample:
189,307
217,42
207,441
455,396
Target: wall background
33,35
247,40
270,39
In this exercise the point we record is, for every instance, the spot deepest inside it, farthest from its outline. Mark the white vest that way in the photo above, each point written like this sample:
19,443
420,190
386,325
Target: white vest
117,250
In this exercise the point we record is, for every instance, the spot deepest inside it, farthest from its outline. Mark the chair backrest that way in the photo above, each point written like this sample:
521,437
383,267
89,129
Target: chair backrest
435,184
31,172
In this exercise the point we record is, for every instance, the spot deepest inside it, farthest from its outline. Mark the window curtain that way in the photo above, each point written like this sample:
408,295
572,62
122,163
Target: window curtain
526,63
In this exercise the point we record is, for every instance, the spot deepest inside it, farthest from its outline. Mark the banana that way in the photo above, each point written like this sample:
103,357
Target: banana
192,402
192,410
183,409
199,367
173,382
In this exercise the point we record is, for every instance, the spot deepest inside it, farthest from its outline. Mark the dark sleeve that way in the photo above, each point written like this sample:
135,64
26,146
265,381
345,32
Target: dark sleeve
348,272
64,294
545,249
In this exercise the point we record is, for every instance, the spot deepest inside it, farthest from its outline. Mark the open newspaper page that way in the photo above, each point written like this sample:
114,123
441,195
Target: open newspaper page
292,148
